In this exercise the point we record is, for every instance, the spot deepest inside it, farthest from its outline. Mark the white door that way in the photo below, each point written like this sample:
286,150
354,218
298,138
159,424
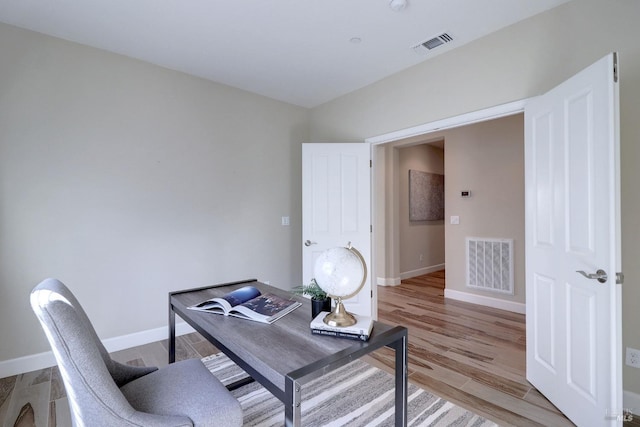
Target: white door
336,208
573,224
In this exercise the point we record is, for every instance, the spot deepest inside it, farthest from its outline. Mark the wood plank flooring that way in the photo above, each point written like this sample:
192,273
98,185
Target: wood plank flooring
471,355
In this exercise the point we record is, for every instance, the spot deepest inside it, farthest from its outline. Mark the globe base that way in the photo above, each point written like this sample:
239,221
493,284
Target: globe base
339,317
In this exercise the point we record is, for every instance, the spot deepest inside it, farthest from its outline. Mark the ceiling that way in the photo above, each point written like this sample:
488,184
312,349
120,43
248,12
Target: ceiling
304,52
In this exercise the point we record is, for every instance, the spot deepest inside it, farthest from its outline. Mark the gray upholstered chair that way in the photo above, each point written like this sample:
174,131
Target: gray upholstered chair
103,392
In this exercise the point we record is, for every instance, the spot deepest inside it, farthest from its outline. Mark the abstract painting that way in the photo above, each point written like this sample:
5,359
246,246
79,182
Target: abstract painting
426,196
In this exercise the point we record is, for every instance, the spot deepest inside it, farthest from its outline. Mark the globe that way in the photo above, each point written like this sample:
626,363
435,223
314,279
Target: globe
341,273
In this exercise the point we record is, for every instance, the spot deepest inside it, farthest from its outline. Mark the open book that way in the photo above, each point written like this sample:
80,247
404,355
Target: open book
249,303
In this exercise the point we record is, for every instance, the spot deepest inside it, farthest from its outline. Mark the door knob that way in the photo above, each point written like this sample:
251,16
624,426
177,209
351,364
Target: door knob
600,275
309,243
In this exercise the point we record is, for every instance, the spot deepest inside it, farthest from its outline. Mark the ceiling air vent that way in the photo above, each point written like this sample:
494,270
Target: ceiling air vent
433,43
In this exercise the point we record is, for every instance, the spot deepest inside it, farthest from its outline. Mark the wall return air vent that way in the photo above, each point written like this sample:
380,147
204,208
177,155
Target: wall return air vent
433,43
490,264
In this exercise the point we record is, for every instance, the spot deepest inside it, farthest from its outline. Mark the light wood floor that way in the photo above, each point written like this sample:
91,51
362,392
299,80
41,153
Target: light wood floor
471,355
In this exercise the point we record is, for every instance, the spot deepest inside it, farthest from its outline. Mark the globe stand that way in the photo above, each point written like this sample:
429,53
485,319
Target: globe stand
339,317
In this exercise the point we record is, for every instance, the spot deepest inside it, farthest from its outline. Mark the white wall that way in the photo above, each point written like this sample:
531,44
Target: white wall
126,181
518,62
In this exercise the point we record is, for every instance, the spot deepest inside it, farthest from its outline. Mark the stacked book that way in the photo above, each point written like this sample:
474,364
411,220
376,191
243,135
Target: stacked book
360,331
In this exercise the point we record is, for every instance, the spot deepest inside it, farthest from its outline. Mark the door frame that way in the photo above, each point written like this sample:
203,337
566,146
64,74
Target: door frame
381,260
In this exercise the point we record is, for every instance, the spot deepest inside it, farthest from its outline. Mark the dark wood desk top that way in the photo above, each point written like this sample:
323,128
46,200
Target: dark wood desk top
273,350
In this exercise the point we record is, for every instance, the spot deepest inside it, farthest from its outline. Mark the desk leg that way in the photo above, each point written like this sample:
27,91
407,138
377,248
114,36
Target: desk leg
401,381
172,334
292,415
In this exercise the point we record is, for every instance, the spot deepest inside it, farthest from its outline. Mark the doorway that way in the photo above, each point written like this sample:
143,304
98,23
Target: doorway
574,325
420,168
485,160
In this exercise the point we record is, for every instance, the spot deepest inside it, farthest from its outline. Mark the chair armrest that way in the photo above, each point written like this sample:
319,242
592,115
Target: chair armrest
122,374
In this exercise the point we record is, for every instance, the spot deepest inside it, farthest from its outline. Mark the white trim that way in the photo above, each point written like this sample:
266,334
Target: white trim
393,281
501,304
490,113
422,271
631,401
144,337
28,363
37,361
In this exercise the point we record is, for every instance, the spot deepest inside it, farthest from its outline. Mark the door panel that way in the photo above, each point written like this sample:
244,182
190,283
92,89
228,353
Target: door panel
543,177
581,172
581,371
572,201
544,342
336,207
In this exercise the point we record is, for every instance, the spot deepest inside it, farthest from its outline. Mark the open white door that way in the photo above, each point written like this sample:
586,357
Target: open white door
336,208
572,225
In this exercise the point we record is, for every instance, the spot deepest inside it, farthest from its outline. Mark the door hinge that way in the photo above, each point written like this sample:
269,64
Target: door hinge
615,67
370,228
370,163
619,278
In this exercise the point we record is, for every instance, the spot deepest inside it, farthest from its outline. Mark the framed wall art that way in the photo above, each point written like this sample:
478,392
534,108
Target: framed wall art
426,196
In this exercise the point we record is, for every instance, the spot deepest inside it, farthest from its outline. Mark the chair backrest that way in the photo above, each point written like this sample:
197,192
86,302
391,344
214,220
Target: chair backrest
91,377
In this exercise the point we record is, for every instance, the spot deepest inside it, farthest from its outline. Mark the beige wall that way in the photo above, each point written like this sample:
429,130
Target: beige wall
488,160
518,62
126,180
417,238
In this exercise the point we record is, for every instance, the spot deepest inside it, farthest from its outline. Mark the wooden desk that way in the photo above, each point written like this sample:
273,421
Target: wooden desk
283,356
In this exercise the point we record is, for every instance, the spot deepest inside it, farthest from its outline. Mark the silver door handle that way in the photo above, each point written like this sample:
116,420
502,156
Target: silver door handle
309,243
600,275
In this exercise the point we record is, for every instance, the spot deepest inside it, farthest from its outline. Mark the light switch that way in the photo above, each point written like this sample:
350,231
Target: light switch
455,220
285,220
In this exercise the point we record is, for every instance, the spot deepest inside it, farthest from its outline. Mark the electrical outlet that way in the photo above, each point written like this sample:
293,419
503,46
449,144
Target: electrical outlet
421,257
633,357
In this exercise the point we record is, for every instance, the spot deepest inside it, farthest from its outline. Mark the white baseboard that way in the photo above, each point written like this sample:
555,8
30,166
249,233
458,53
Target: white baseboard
34,362
395,281
422,271
631,402
516,307
381,281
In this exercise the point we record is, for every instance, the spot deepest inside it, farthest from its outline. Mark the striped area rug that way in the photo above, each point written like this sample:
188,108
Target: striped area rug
357,394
